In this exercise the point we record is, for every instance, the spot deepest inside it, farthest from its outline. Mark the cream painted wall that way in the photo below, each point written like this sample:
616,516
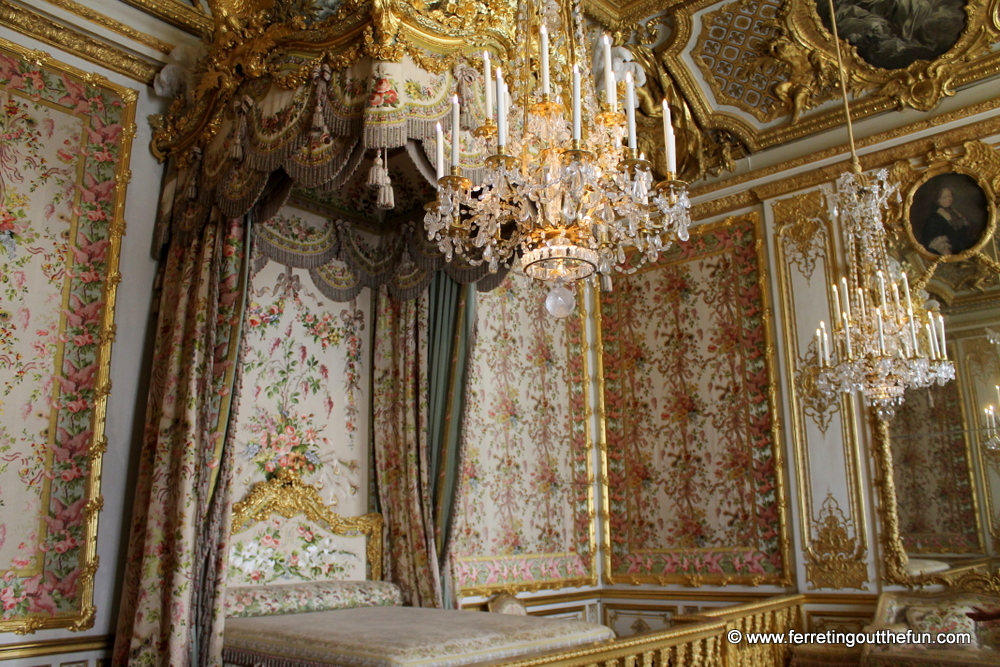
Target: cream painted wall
129,359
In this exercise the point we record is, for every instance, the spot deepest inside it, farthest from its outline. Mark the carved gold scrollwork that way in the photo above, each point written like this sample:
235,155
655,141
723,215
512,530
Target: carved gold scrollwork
286,494
965,271
815,405
804,47
833,561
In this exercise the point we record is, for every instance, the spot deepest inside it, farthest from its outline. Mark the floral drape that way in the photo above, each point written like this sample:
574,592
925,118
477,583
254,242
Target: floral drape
171,608
400,446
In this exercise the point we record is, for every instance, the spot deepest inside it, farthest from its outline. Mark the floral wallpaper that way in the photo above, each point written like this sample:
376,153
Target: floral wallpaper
523,510
303,407
932,472
64,144
693,480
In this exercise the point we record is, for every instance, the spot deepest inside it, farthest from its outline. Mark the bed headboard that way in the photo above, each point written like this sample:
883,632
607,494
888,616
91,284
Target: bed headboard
286,494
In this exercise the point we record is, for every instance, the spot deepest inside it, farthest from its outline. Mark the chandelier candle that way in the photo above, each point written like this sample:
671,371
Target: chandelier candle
440,151
576,103
544,36
630,109
454,131
668,140
610,92
501,110
488,86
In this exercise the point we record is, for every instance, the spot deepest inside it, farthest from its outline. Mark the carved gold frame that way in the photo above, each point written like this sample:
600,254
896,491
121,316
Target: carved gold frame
975,159
286,494
920,86
98,445
834,557
783,578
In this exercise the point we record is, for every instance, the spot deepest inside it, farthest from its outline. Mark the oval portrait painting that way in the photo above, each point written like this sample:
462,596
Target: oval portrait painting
949,215
893,34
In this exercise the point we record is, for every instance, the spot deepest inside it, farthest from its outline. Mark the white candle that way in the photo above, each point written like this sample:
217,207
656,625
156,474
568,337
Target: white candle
906,293
913,332
610,94
998,392
455,112
488,84
819,347
881,288
836,307
630,108
501,111
847,341
895,300
931,341
544,32
881,331
863,314
940,323
847,299
668,138
824,348
576,102
440,151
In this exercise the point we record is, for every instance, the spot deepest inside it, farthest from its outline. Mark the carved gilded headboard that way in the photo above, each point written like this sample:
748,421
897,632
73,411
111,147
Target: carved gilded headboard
286,494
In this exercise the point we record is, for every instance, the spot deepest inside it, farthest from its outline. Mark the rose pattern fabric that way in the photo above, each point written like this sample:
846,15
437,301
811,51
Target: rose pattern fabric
62,148
291,550
933,473
692,479
176,527
400,443
522,512
244,602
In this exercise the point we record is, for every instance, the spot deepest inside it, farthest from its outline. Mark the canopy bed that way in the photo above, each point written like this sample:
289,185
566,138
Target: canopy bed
363,622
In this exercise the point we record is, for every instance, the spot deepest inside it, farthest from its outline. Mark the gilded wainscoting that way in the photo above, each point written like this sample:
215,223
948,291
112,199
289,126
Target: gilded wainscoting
835,543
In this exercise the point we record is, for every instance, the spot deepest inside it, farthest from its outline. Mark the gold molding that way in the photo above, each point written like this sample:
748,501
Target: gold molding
286,494
177,14
89,560
834,558
805,48
978,161
785,576
111,24
621,17
65,38
828,173
45,647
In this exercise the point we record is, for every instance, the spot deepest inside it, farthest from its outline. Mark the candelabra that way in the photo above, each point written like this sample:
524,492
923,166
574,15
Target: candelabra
880,347
568,194
990,430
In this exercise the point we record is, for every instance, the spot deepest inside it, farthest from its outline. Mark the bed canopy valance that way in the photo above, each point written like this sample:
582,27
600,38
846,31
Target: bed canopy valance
334,108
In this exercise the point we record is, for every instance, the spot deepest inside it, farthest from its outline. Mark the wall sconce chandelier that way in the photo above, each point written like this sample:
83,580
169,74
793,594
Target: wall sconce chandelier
567,193
881,345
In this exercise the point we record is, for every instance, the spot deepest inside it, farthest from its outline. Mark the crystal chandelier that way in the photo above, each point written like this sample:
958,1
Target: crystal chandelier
565,189
881,345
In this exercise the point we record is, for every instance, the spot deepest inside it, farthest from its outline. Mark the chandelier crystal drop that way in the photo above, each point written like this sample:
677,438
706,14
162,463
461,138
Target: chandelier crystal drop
565,190
881,345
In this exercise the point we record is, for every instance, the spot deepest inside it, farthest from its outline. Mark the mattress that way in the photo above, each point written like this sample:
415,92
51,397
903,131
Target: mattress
396,637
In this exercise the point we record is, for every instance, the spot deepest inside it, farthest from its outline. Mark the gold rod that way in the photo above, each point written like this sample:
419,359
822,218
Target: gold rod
855,163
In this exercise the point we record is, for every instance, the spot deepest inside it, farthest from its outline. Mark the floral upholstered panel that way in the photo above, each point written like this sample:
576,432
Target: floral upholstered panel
397,637
523,512
301,405
247,601
933,613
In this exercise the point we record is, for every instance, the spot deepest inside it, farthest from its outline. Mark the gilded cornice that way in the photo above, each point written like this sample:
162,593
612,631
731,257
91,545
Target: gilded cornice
44,29
123,29
176,13
884,158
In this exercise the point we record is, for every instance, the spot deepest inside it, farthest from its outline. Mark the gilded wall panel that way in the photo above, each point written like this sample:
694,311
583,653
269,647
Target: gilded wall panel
827,461
65,146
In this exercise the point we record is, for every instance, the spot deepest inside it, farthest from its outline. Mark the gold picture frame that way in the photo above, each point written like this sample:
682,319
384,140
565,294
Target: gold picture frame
961,184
